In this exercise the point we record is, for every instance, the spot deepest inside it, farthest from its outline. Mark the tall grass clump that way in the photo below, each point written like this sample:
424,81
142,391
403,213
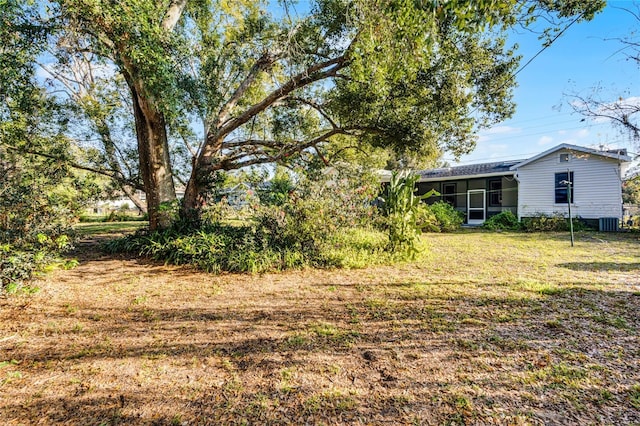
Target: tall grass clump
402,210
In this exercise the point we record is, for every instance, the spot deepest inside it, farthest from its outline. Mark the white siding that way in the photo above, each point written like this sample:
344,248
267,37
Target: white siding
597,188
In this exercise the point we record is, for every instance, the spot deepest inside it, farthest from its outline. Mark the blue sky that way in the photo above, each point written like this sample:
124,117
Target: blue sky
586,56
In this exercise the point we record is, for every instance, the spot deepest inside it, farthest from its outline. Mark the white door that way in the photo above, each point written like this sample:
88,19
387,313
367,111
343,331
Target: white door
476,206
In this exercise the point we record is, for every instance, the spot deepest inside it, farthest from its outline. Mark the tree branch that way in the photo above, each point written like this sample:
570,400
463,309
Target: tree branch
322,157
318,108
312,74
262,64
173,14
619,113
113,174
355,147
261,156
247,142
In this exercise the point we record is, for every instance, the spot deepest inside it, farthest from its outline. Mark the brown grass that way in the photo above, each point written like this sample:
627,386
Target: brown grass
489,329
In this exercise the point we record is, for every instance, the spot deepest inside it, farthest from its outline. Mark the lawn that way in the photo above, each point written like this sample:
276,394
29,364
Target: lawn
487,328
99,228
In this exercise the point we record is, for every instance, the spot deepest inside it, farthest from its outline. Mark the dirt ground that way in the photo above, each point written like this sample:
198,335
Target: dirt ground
498,329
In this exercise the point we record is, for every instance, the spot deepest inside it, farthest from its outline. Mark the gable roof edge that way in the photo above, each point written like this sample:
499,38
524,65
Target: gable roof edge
569,147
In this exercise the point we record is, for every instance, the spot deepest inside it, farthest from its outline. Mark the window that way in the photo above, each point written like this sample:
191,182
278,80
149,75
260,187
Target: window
495,192
449,193
564,158
562,181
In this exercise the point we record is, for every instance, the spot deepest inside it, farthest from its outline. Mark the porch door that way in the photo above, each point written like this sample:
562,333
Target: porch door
476,207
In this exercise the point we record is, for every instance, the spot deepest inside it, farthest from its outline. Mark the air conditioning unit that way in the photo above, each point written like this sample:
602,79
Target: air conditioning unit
608,224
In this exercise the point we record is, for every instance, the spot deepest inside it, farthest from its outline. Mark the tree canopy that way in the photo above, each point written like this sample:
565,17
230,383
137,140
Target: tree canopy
212,85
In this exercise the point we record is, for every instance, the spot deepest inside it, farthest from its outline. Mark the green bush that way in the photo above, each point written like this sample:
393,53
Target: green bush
19,264
38,204
504,221
276,191
439,217
427,220
557,222
118,216
17,267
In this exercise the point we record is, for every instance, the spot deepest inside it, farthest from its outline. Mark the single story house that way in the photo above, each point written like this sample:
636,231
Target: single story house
534,186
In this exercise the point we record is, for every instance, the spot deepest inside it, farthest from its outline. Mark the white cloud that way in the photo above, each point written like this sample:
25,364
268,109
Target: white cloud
632,100
568,137
485,135
583,133
501,130
545,140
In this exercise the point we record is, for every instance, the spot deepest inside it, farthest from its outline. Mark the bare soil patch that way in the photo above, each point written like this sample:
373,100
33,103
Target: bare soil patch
488,329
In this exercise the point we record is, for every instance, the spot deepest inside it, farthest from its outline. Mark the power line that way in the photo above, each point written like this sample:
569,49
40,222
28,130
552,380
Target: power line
526,135
540,118
547,124
519,70
520,155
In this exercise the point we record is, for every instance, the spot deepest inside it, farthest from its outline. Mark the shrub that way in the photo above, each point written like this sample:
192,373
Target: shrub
355,248
120,216
332,201
551,223
38,204
18,264
277,190
427,220
219,212
16,267
254,249
504,221
439,217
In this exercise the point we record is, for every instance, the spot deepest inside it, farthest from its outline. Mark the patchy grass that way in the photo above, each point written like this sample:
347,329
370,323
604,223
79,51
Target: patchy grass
488,329
97,228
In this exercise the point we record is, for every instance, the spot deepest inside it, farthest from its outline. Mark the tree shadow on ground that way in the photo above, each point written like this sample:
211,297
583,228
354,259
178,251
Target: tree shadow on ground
362,356
602,266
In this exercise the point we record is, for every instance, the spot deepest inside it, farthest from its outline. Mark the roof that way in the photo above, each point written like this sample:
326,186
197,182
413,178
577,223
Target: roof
504,168
471,170
615,154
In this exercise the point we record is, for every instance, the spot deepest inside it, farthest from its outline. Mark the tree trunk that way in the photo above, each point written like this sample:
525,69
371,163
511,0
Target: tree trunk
155,165
195,193
130,192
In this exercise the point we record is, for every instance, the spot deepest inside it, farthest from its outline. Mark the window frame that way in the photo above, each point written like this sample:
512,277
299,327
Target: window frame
493,202
450,197
560,191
